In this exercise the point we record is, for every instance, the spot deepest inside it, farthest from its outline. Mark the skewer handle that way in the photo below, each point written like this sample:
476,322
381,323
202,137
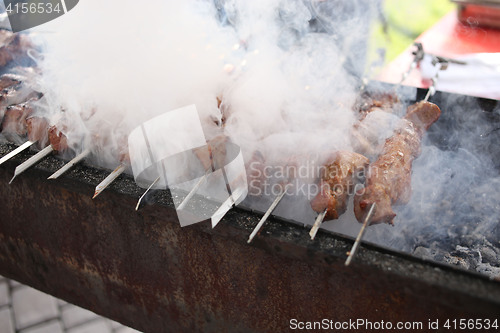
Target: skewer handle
317,223
70,164
267,214
32,161
16,151
109,179
366,222
192,192
146,192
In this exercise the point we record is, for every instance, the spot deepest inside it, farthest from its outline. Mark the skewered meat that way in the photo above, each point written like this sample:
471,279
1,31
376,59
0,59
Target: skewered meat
14,121
17,94
57,139
338,179
389,179
214,154
9,80
377,113
14,117
37,130
378,101
12,45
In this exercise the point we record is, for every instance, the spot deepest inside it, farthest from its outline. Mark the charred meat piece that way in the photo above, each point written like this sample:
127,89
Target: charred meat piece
14,121
380,107
17,94
389,179
12,45
214,155
123,154
57,139
37,130
378,101
9,80
338,179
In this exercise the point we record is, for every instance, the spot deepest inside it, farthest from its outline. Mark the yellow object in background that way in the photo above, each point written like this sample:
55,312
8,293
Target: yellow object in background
400,22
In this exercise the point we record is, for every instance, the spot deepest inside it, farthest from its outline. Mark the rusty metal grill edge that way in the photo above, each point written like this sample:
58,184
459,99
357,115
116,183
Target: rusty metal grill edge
145,271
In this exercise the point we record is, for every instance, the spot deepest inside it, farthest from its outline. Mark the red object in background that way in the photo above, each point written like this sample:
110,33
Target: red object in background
485,16
448,37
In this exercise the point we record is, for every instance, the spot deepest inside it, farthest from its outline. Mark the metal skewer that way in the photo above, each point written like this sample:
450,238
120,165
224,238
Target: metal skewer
146,192
32,161
443,63
16,151
418,56
225,207
70,164
317,223
361,233
268,213
192,192
109,179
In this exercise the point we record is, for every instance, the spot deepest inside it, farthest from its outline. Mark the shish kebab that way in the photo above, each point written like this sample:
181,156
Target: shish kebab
15,107
339,173
21,120
390,184
344,170
38,129
338,179
330,198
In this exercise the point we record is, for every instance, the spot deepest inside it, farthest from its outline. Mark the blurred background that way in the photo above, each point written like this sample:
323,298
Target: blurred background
401,22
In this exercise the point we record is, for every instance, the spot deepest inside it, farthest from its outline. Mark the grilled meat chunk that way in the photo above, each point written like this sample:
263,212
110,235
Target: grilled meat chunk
57,139
389,179
214,154
12,45
337,182
37,130
14,121
367,103
9,80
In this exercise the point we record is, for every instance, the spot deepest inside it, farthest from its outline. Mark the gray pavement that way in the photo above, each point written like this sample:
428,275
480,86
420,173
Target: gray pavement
27,310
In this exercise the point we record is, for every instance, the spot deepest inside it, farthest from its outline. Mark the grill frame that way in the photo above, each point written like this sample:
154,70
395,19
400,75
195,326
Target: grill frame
143,270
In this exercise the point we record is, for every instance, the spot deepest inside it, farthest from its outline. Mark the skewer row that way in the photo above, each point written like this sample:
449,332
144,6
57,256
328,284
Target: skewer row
122,167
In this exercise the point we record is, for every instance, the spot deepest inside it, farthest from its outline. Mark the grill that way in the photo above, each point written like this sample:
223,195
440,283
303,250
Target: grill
144,270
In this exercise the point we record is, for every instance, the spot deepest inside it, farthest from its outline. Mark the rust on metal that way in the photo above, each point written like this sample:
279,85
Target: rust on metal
143,270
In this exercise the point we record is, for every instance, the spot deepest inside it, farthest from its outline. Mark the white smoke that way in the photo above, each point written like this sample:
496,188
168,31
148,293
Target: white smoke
124,62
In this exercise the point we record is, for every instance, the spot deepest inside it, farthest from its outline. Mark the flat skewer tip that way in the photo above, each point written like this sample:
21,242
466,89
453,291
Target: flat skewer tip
139,202
32,161
108,180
